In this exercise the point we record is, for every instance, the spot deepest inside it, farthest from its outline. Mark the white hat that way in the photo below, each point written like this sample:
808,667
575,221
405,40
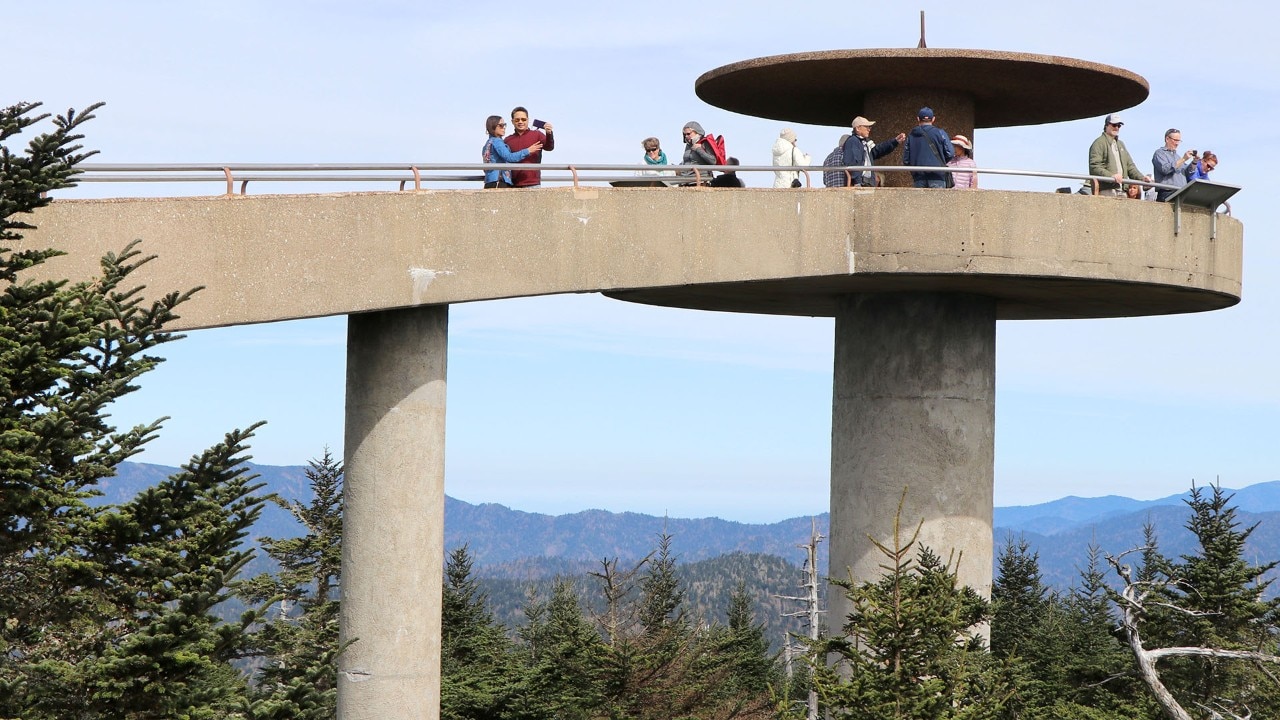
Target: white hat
860,121
962,141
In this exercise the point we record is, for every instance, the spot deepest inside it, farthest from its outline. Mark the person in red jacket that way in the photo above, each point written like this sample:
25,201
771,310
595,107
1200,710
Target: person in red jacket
525,137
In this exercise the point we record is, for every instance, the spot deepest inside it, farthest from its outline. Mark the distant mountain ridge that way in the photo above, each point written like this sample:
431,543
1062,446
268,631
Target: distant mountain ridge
506,542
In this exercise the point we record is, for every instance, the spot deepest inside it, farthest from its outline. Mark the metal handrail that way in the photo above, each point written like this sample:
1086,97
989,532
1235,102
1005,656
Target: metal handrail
417,173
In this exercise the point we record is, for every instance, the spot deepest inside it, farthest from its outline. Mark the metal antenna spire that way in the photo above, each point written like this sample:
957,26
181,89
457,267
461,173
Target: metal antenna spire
922,31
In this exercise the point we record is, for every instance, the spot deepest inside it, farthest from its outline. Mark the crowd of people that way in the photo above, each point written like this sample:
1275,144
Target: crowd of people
925,146
1108,157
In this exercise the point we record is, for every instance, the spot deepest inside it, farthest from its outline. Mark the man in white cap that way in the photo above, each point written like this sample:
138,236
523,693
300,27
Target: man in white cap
1108,157
859,150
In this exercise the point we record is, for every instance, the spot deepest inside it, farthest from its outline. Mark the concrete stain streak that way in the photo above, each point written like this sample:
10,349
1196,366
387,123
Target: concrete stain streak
422,279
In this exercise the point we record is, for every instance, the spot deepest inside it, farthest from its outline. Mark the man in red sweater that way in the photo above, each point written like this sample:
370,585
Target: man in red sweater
525,137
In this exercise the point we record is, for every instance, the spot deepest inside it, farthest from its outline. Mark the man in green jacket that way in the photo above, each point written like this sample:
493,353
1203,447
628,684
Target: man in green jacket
1109,157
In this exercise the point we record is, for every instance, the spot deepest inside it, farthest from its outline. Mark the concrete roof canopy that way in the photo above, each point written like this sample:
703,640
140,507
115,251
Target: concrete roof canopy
1007,88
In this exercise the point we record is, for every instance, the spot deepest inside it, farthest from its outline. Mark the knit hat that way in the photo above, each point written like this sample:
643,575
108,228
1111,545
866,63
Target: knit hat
788,134
694,127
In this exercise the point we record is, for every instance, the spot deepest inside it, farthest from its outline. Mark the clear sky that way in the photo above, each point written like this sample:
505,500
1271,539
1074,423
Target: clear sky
567,403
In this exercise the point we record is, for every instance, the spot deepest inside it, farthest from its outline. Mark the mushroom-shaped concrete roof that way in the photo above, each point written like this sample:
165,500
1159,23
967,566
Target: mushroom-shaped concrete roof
1008,88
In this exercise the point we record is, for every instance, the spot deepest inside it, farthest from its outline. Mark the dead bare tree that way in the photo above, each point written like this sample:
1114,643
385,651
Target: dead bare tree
811,612
1133,601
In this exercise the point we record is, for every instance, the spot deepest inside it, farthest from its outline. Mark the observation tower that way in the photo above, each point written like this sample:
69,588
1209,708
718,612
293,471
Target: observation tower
930,272
915,279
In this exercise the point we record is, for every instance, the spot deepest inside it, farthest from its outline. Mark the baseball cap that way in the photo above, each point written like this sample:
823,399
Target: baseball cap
860,121
925,112
1114,119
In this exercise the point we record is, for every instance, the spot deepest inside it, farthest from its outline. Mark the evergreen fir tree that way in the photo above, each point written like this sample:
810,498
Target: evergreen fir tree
104,611
909,649
754,669
478,669
1085,665
299,640
659,666
1221,604
1026,623
1019,599
563,654
143,581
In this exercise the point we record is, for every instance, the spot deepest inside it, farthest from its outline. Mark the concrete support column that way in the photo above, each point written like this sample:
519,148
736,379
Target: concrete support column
895,111
914,408
393,521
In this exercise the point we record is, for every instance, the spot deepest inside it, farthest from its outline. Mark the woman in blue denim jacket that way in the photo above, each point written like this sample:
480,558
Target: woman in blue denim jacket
495,150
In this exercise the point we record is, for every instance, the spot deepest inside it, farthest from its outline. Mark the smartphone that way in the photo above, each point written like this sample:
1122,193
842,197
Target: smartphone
539,124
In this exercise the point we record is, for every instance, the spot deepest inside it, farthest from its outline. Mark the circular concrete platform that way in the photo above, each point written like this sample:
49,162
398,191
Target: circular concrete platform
1005,88
1017,297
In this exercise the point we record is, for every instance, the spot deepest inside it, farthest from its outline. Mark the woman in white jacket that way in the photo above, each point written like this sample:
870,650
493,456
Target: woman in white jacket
786,153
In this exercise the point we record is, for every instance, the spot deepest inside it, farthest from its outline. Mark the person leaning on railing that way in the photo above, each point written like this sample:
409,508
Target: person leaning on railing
696,151
1109,157
653,155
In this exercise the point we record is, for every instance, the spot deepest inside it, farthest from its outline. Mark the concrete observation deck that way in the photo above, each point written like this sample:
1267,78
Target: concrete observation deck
266,258
916,280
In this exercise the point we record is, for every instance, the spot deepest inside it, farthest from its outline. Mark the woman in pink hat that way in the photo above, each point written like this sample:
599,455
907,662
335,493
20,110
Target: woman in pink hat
963,158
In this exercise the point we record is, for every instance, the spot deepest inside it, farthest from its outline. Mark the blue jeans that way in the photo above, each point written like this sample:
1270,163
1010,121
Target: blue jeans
923,183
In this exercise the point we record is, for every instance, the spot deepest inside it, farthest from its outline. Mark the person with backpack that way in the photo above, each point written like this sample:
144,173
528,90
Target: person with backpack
699,149
928,146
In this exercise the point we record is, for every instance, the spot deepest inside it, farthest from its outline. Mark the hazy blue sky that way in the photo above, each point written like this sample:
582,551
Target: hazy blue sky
567,403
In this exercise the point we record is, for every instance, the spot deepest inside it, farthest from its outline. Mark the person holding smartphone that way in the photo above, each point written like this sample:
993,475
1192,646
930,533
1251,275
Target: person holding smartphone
525,137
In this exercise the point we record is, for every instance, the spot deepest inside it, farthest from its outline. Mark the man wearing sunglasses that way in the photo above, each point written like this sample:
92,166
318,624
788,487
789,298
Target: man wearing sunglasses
526,137
1110,158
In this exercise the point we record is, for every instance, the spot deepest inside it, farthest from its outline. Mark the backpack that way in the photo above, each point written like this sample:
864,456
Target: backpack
716,145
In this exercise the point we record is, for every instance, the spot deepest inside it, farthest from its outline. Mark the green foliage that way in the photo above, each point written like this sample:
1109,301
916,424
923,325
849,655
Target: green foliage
104,611
563,655
1019,598
910,648
48,164
1065,650
1213,597
67,350
476,658
127,628
299,642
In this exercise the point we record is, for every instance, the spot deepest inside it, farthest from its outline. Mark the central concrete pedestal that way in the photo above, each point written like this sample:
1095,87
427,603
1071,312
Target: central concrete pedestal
393,517
913,407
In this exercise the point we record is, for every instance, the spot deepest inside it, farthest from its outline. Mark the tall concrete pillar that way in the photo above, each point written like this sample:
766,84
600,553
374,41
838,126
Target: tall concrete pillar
914,408
393,520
